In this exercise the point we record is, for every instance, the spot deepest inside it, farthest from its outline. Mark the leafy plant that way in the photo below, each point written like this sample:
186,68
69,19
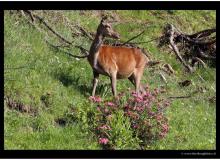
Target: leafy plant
131,120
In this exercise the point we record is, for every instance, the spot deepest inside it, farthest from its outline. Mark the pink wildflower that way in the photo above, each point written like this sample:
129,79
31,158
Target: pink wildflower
106,110
147,94
139,108
165,128
150,113
95,99
135,126
138,99
110,104
159,117
103,140
134,93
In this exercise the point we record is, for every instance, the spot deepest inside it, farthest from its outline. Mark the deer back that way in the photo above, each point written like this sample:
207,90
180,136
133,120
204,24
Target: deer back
121,59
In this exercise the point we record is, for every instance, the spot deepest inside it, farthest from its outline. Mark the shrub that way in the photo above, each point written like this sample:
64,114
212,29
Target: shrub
116,133
131,121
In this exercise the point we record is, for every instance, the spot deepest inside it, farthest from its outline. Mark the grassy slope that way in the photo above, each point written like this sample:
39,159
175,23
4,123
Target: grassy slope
69,82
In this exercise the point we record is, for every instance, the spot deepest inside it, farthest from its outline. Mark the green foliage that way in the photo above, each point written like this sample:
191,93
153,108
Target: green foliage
131,121
121,134
58,86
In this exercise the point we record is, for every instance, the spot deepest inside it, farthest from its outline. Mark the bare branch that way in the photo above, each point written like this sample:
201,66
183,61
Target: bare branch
133,37
176,50
163,77
187,96
48,26
201,61
54,46
203,55
146,41
83,50
203,33
172,97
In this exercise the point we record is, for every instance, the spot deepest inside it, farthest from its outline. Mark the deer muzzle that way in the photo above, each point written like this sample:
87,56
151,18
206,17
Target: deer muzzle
115,35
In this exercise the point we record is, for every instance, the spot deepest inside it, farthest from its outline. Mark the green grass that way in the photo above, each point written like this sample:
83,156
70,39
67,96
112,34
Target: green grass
68,82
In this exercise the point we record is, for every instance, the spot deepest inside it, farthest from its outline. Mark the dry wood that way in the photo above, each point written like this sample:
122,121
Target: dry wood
85,33
199,60
48,26
69,54
84,51
203,33
172,97
185,83
133,38
82,31
163,77
199,47
176,50
205,56
169,68
153,63
186,96
197,41
153,39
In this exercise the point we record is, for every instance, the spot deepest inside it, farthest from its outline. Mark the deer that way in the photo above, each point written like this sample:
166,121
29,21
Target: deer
116,62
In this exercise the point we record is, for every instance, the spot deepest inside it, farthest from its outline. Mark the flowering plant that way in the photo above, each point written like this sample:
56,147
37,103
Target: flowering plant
142,113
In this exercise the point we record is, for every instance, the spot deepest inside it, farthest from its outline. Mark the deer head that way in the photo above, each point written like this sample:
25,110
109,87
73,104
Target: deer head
106,30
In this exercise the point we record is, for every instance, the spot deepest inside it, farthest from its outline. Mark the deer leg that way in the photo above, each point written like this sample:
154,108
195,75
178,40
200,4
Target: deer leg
137,84
95,82
113,83
142,88
138,74
132,80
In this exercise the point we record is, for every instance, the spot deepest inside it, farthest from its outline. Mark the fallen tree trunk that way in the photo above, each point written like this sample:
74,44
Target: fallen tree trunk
189,49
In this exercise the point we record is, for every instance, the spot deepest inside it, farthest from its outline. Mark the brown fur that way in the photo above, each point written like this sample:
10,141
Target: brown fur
115,62
124,60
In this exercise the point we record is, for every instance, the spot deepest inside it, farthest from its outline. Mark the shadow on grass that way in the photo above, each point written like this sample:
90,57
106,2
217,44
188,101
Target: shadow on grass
74,81
84,88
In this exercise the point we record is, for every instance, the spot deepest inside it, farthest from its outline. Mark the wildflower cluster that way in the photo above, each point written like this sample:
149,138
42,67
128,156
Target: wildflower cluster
145,113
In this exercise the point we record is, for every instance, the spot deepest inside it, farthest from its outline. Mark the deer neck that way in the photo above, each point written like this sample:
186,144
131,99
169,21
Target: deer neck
94,49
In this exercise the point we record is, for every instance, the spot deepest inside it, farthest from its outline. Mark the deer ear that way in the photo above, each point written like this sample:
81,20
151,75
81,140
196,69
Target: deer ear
104,18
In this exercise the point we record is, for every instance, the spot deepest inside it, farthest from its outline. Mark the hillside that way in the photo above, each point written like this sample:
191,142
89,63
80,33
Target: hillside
47,92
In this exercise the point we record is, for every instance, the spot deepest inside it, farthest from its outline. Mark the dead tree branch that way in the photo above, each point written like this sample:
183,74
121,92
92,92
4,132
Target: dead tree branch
69,54
83,50
203,33
176,50
199,47
133,38
58,47
47,25
187,96
85,33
